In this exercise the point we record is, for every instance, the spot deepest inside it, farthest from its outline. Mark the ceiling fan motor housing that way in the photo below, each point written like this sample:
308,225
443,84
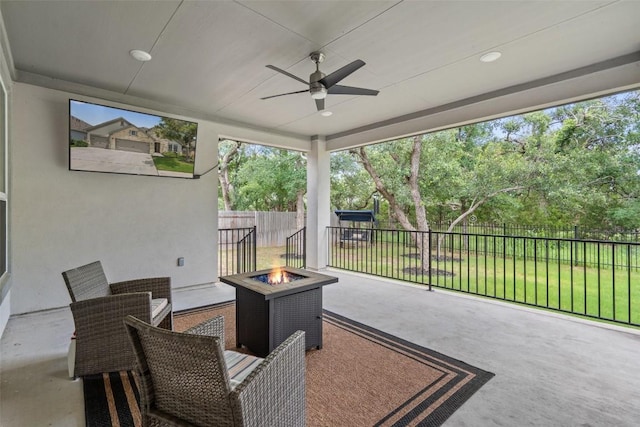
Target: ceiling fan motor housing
317,89
316,76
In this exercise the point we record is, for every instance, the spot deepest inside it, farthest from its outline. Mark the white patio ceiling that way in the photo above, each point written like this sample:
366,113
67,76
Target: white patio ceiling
209,57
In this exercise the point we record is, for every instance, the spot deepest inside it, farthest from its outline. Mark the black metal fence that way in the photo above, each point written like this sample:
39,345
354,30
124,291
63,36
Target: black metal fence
236,250
593,278
572,232
296,249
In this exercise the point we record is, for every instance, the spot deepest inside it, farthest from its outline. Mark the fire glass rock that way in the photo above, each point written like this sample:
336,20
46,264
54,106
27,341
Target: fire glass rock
277,276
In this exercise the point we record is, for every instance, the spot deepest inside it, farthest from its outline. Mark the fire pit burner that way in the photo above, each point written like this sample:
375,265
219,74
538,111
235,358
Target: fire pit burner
277,276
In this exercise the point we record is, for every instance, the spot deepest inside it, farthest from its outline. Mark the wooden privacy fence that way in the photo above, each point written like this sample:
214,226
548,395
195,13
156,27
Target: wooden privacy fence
272,228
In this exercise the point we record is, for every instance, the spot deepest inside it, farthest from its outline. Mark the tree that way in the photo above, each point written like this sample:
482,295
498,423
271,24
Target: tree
601,139
351,186
272,179
180,131
228,153
467,169
461,168
408,163
587,155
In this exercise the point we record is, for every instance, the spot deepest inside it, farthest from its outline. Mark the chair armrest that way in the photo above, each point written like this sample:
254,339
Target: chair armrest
160,287
274,393
102,344
213,327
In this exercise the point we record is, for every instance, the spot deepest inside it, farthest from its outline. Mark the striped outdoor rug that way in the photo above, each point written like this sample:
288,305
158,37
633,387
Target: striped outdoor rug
361,377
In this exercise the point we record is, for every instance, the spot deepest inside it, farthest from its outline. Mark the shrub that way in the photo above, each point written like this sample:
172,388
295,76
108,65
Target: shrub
78,143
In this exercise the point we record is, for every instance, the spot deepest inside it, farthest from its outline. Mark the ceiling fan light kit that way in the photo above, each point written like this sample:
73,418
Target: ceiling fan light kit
321,85
318,92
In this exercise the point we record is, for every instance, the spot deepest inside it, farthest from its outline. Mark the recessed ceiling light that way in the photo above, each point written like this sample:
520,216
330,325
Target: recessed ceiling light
140,55
326,113
490,57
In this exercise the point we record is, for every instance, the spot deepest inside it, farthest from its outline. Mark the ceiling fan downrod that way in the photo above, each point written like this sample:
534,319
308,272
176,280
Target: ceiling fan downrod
317,89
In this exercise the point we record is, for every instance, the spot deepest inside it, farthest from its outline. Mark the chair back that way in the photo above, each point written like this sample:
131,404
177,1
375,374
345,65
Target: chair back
86,282
183,376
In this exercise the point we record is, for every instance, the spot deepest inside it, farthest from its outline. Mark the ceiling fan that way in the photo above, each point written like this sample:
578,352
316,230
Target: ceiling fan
321,85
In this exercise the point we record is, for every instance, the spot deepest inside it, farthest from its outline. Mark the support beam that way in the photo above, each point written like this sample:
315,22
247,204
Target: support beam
318,203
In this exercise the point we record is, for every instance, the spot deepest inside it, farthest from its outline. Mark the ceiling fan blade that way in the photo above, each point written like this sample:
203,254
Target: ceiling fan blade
283,94
340,74
350,90
320,104
281,71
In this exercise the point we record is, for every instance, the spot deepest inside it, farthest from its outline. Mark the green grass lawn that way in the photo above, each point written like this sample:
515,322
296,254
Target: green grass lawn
173,164
266,257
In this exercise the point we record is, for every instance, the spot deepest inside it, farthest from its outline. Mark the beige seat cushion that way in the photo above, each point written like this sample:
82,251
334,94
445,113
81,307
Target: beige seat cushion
157,305
239,366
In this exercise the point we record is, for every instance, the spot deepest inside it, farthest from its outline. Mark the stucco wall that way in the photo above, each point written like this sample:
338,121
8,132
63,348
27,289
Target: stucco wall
136,225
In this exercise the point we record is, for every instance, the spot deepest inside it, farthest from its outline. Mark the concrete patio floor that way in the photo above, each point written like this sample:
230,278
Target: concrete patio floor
551,369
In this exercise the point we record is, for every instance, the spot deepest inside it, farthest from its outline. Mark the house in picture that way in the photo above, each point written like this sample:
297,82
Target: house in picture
78,129
174,147
163,145
120,134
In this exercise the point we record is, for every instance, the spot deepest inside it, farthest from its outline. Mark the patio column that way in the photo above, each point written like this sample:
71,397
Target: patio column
318,202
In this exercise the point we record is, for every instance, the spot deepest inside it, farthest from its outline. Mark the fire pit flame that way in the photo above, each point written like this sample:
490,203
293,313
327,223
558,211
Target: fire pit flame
278,276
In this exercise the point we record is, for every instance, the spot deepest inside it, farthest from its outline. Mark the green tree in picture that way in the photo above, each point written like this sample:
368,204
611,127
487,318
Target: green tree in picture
181,132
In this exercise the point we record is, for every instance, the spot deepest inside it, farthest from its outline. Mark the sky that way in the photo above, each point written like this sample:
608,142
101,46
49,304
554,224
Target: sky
95,114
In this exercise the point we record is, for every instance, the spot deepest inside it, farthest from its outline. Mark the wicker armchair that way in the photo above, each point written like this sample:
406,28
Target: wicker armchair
98,308
185,381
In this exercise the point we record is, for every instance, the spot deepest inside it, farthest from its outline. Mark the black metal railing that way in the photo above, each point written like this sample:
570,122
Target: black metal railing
598,279
570,232
296,249
236,250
